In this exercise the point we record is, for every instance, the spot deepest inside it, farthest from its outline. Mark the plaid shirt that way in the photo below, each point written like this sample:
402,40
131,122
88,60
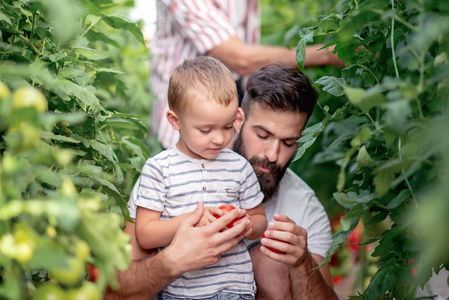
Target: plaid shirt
187,29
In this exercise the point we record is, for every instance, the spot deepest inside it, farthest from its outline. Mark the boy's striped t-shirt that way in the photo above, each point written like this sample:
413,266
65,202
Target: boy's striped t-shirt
173,183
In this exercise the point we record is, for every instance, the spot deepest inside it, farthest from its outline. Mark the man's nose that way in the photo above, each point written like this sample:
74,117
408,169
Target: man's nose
272,151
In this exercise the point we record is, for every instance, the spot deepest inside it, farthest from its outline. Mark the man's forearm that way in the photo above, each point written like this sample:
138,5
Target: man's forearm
308,283
143,279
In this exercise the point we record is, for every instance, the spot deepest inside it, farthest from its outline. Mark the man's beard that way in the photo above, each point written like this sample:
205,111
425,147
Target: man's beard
269,182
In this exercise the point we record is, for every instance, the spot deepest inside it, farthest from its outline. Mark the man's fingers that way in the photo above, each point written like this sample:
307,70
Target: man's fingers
196,215
224,220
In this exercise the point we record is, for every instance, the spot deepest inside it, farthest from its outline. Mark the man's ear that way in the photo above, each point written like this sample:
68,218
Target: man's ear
238,123
172,118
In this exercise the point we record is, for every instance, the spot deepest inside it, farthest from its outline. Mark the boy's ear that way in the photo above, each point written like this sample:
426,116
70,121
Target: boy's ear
172,118
239,121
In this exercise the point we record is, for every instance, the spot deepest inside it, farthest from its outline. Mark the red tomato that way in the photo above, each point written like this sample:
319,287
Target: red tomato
227,208
93,272
272,249
336,279
355,237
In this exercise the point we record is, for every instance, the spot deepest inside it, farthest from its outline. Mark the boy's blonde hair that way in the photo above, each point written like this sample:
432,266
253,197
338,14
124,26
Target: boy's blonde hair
205,75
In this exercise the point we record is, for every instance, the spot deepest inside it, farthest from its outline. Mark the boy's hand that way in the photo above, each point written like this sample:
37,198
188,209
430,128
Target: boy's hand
208,216
250,227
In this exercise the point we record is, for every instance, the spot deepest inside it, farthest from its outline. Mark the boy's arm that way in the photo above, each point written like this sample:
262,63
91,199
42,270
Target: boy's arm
152,232
259,222
146,277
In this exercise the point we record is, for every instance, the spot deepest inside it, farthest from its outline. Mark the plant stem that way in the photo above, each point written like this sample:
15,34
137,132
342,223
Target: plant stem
392,43
403,172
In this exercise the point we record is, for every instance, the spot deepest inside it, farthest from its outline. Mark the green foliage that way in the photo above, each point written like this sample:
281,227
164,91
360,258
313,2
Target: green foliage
71,143
388,136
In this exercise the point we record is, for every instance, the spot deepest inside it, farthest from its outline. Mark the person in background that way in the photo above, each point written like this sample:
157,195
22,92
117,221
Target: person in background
225,29
277,104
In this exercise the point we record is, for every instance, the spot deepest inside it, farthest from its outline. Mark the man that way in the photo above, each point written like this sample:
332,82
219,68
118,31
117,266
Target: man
225,29
275,109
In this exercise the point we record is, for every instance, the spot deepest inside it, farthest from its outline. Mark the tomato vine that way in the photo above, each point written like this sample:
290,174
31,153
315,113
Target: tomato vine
388,135
73,83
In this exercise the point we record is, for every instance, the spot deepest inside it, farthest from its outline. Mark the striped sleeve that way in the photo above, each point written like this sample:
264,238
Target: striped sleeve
250,193
152,191
200,22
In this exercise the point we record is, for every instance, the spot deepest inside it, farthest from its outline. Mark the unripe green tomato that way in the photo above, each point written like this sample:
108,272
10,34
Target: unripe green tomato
27,135
4,91
82,250
29,97
49,292
70,275
88,291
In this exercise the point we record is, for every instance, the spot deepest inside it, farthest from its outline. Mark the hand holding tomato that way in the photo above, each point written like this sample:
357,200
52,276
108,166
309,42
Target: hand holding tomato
209,215
225,209
288,237
269,248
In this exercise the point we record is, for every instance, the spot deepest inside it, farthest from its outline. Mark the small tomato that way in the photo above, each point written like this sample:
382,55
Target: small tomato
93,273
71,274
29,97
227,208
49,292
88,291
272,249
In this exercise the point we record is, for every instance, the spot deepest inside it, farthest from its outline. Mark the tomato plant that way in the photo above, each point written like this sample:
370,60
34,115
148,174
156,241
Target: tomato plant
73,113
383,129
227,208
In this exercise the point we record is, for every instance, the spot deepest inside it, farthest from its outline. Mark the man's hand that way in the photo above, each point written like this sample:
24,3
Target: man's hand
208,216
194,248
292,239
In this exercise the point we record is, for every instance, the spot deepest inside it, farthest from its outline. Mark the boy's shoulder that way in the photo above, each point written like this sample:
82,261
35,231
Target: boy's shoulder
163,156
228,155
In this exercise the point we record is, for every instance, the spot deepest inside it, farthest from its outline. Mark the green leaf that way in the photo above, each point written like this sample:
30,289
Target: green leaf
51,136
338,141
364,159
397,114
382,181
92,54
104,149
122,22
349,200
351,219
306,37
333,85
361,136
365,100
100,36
399,199
108,184
83,94
308,137
5,18
64,17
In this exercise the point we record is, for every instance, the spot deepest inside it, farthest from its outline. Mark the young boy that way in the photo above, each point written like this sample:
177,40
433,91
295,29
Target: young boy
203,105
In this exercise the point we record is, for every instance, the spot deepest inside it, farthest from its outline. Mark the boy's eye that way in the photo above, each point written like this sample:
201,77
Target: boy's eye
204,130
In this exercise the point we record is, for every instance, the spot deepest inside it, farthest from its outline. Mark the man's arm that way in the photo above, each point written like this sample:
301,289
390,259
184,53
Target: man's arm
306,283
244,58
192,248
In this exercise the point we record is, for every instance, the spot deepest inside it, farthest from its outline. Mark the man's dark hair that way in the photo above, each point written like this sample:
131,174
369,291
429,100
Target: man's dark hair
280,88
